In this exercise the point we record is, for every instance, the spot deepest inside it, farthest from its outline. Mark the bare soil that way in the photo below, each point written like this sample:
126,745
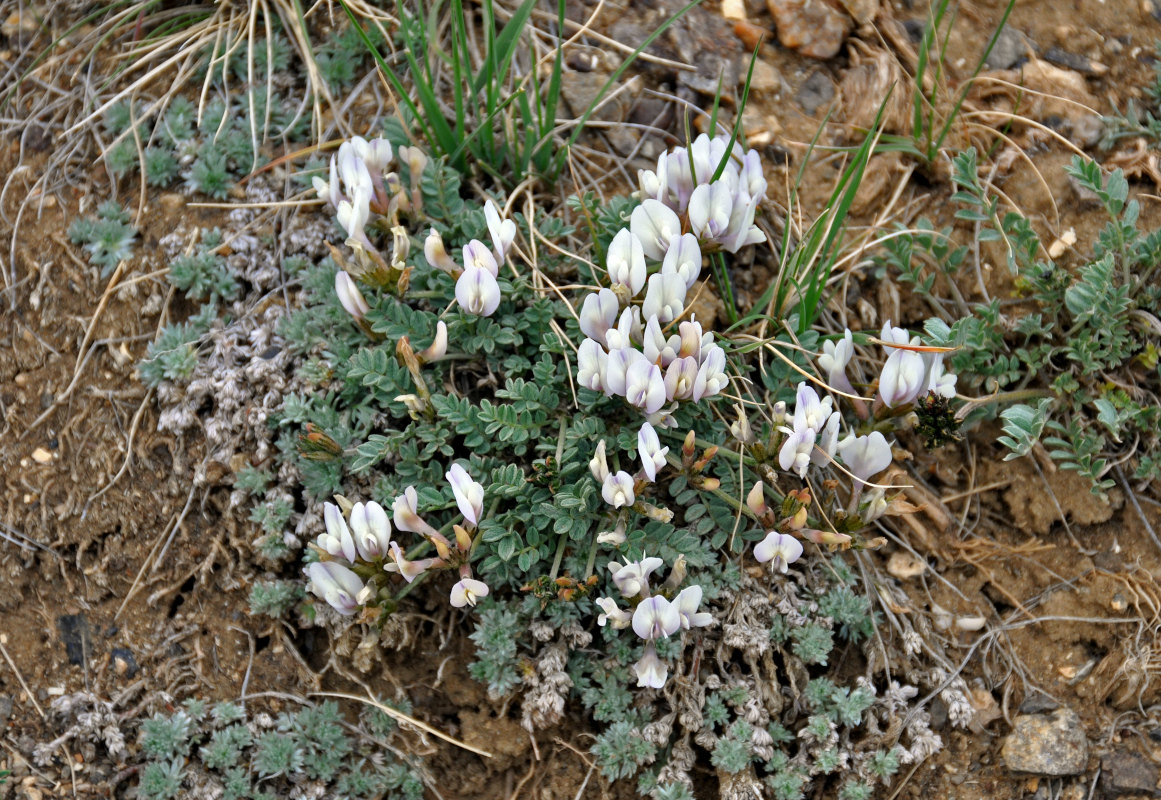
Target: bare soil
90,492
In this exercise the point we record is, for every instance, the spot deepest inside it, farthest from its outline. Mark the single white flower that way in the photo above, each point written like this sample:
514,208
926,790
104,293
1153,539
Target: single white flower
598,314
827,441
632,577
599,466
655,225
865,455
592,363
644,386
710,207
617,489
477,291
337,585
651,671
809,410
686,603
469,494
376,154
405,515
615,617
354,213
466,591
902,378
796,451
665,297
656,618
650,451
780,549
834,359
350,298
372,530
939,382
627,331
337,541
410,570
681,378
625,262
502,231
477,254
684,258
711,375
617,369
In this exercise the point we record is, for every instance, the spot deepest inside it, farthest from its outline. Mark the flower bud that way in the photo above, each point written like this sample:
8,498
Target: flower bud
436,254
437,350
756,499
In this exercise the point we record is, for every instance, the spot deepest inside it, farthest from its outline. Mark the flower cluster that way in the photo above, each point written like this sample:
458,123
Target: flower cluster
720,212
355,558
655,616
477,290
684,214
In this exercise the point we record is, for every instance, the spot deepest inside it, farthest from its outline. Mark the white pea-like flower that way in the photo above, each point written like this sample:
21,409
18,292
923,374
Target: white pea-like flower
902,378
337,585
780,549
410,570
632,577
592,362
684,257
376,154
680,378
627,331
337,541
617,369
656,618
865,455
796,451
809,410
655,225
938,381
834,359
372,530
599,465
710,207
650,451
502,231
711,375
625,262
467,591
651,671
686,603
665,297
598,314
354,213
645,386
617,489
616,617
477,254
827,441
469,494
477,291
350,298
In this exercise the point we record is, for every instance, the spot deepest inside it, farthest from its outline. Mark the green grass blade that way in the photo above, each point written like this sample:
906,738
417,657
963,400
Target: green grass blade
963,91
558,162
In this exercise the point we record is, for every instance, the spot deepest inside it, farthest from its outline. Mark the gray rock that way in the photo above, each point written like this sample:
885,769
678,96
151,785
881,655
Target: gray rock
6,704
1063,58
814,29
1011,46
1128,773
1047,744
816,91
1038,703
